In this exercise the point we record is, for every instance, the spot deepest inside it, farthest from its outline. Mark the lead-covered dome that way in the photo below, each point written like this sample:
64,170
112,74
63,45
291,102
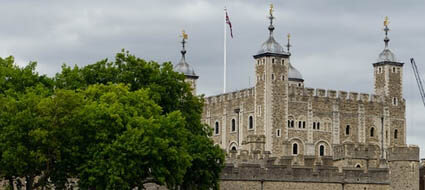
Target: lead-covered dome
271,46
183,67
294,74
386,55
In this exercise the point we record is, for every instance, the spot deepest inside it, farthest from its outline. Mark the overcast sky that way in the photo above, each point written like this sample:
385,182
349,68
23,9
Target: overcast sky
334,42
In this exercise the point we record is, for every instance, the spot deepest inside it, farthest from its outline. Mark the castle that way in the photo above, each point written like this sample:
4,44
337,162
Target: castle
282,135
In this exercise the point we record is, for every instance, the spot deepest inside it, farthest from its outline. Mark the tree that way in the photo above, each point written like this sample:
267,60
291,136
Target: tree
111,125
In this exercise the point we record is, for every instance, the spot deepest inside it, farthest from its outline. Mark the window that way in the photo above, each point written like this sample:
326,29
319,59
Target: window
292,124
283,77
258,62
233,125
217,128
358,166
278,133
273,60
393,69
395,101
379,70
282,62
395,134
299,84
295,149
303,124
299,124
318,125
314,125
322,150
272,76
251,123
347,130
233,148
372,132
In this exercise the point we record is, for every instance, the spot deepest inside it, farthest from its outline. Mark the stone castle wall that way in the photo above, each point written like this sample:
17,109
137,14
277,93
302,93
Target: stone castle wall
315,117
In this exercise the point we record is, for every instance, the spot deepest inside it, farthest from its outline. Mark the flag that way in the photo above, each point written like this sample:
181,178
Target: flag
230,24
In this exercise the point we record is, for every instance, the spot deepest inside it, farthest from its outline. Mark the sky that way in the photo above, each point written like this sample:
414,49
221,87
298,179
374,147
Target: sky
334,42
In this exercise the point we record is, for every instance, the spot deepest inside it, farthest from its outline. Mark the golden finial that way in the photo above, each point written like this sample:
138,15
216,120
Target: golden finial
289,36
386,22
184,35
271,10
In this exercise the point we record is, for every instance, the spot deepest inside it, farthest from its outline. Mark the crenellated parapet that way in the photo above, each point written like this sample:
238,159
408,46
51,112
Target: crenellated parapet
299,92
403,153
236,95
280,170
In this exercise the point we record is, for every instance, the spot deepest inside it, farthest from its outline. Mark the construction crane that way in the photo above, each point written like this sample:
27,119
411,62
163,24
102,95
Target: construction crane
418,80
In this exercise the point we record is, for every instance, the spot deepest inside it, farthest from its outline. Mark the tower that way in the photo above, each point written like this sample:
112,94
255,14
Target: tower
388,72
388,76
271,101
186,69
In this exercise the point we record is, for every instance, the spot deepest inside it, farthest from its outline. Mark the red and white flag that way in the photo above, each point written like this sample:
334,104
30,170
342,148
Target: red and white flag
230,24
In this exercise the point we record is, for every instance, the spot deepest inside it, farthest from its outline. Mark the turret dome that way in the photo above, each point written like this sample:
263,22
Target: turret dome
294,74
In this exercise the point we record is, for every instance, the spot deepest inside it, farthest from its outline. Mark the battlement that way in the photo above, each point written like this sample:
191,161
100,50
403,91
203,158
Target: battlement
403,153
333,94
356,151
268,170
240,94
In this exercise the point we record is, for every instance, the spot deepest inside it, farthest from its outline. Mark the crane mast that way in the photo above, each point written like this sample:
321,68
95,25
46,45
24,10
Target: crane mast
418,80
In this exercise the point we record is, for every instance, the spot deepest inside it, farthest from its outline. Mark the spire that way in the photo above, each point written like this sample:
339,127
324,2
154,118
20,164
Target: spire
182,66
183,51
386,29
288,45
271,17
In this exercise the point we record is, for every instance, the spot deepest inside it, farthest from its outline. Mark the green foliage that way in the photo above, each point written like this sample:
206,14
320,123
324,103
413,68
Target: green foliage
112,125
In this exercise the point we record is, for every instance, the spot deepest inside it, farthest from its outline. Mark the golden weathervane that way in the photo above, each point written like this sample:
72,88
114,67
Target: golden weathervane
271,10
386,22
184,35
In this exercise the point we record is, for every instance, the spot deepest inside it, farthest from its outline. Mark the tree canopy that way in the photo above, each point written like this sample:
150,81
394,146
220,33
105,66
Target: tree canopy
109,125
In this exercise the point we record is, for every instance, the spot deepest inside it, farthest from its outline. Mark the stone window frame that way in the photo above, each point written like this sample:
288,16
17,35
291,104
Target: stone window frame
253,122
358,165
295,149
395,101
291,122
300,123
231,125
320,150
372,132
347,131
232,145
278,132
282,62
216,131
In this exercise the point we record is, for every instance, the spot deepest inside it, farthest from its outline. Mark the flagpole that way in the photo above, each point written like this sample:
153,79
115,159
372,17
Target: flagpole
224,53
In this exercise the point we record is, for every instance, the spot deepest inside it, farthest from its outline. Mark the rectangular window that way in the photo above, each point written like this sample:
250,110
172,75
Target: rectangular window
278,133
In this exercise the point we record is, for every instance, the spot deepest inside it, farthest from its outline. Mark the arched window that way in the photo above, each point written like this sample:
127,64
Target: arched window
314,125
295,149
299,124
234,148
393,69
396,134
303,124
358,166
372,132
322,150
318,125
273,60
282,62
292,124
217,128
347,130
251,122
233,125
